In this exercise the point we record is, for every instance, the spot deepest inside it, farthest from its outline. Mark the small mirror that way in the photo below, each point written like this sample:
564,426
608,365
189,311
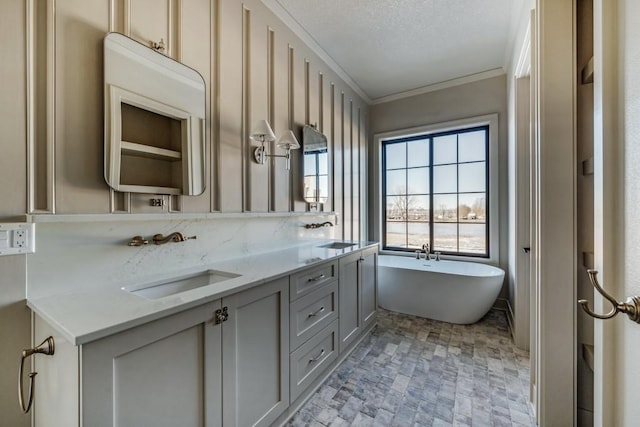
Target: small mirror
154,120
316,165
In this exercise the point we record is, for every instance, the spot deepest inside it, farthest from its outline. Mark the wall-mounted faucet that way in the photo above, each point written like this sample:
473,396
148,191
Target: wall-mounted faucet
318,225
176,236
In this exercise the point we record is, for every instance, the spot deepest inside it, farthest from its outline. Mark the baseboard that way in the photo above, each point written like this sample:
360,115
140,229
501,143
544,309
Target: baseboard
503,304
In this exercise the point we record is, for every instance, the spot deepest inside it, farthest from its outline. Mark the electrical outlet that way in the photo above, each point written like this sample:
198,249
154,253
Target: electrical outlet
17,238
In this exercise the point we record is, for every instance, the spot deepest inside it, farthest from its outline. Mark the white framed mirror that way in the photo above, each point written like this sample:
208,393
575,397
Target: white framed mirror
154,120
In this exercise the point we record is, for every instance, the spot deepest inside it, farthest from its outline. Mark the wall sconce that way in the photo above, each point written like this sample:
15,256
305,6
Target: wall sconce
263,133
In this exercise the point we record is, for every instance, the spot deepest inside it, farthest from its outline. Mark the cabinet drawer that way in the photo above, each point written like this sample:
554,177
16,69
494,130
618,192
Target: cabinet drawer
309,280
312,313
312,358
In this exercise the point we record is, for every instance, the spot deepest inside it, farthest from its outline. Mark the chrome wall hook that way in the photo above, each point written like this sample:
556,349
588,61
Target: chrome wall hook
631,307
46,347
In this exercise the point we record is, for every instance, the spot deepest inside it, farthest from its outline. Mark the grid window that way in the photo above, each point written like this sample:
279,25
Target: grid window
436,192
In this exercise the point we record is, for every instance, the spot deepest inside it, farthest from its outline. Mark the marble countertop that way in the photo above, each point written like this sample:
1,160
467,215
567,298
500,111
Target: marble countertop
88,315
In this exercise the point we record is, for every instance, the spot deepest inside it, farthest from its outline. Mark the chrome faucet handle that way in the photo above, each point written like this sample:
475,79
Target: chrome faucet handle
437,255
418,254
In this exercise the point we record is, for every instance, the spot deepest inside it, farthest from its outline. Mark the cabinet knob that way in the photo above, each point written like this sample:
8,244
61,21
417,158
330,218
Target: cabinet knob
221,315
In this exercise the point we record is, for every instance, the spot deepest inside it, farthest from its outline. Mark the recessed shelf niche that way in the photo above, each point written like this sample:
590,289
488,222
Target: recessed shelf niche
154,121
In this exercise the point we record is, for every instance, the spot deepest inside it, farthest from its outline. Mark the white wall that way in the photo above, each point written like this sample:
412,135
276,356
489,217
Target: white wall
469,100
627,368
14,315
519,62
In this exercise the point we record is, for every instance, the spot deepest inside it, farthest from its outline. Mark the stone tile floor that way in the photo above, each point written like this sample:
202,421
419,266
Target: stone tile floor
412,371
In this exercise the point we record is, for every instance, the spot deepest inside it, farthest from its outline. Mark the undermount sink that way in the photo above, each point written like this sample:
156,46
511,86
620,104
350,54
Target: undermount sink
181,284
337,245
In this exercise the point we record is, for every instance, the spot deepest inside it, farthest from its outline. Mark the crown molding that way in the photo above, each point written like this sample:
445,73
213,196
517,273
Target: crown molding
441,85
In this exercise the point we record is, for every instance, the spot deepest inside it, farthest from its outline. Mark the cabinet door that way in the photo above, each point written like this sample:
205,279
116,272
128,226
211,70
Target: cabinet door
368,286
156,374
255,352
350,327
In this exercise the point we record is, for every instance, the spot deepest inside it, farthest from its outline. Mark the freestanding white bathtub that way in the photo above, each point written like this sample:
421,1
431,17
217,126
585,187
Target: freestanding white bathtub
450,291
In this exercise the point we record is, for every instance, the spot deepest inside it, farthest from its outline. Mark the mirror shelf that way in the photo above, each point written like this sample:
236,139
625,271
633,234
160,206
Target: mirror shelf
154,121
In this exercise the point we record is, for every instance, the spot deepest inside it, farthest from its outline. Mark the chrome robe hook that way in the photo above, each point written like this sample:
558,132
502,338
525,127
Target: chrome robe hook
631,307
46,347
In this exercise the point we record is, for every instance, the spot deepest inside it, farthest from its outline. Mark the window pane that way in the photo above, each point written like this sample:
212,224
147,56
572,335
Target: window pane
396,234
445,237
396,182
310,164
445,208
418,153
472,207
472,177
472,146
323,163
418,234
418,181
397,208
445,179
445,149
396,155
473,238
418,208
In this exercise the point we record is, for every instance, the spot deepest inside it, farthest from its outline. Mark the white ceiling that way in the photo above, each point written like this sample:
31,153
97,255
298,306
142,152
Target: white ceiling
387,47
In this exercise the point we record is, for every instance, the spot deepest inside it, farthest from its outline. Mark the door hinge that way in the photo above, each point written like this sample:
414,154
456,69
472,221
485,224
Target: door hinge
222,315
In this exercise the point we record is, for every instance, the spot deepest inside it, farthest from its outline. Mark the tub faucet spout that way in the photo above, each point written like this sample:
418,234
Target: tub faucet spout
426,250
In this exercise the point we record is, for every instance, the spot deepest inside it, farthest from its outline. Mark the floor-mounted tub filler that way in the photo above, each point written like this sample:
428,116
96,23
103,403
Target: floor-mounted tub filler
450,291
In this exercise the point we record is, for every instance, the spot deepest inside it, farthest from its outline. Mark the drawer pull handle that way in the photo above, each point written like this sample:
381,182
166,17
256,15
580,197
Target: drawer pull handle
315,359
315,279
315,313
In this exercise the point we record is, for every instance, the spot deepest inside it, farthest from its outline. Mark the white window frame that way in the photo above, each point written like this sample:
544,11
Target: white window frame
490,120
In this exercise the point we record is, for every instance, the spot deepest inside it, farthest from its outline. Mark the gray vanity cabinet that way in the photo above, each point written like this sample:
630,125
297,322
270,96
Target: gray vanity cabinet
358,294
182,370
164,373
368,286
255,355
246,359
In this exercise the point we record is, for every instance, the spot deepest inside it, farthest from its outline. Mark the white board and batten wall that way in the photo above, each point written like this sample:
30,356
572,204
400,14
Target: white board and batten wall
255,68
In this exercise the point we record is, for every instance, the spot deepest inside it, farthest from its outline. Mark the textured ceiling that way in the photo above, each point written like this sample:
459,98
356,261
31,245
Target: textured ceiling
392,46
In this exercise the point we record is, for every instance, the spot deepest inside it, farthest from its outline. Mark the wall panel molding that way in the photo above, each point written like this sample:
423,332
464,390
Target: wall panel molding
214,89
41,97
246,108
119,12
174,30
292,101
271,113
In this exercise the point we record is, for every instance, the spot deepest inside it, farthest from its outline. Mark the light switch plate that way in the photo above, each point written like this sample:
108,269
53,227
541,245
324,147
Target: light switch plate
17,238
